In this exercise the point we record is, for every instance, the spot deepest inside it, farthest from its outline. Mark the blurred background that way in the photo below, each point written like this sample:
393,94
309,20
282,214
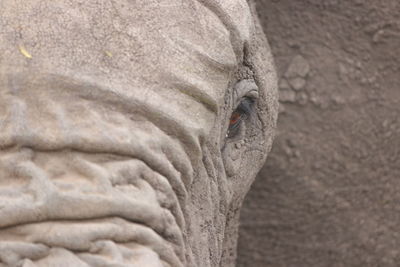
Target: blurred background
329,194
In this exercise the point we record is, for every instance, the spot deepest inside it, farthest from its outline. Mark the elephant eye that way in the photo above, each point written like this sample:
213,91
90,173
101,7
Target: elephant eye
241,113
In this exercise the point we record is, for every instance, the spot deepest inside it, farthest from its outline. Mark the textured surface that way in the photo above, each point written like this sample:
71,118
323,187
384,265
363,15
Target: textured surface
117,146
329,194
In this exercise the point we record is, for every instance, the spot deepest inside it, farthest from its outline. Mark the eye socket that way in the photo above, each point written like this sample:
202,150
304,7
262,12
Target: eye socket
241,113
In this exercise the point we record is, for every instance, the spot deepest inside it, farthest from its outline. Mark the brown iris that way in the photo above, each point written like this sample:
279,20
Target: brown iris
235,118
241,113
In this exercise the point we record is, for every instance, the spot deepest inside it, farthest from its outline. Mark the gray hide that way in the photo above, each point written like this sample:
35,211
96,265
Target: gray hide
117,147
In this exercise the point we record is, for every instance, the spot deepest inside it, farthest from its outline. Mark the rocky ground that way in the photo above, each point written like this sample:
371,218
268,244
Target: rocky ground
329,193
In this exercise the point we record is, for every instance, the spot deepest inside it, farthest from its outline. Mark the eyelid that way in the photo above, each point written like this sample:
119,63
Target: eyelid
246,105
245,88
253,94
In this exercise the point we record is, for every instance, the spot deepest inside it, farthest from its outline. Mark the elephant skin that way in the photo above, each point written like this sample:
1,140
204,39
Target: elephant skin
130,131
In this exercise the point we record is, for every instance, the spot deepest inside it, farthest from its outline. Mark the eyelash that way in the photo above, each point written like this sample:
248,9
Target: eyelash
241,113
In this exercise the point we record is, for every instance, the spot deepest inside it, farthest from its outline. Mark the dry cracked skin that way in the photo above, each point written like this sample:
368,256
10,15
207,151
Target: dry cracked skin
130,131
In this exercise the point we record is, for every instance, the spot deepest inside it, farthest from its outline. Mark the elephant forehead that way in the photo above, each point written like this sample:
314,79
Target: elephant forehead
128,45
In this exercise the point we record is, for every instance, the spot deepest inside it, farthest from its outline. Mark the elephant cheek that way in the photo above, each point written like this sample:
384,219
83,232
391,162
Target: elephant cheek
231,157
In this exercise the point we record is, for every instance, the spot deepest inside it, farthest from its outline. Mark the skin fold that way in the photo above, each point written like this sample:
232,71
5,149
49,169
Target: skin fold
117,146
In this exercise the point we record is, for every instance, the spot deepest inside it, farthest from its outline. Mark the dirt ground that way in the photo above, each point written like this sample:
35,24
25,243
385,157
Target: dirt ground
329,194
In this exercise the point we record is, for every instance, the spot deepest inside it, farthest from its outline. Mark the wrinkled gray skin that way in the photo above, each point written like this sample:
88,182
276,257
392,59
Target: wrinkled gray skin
114,119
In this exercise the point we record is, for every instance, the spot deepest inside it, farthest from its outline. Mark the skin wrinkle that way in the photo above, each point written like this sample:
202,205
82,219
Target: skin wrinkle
187,87
179,245
92,171
185,175
38,249
147,173
59,253
195,51
177,190
120,231
235,36
40,215
176,211
27,167
126,155
124,105
140,119
176,246
210,168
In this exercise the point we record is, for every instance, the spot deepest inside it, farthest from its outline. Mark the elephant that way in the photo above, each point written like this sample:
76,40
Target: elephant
130,130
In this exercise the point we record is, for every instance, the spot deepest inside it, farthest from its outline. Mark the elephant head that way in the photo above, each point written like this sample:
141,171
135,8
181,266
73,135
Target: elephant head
130,130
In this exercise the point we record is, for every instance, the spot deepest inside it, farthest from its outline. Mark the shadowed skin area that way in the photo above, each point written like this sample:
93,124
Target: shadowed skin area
115,147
